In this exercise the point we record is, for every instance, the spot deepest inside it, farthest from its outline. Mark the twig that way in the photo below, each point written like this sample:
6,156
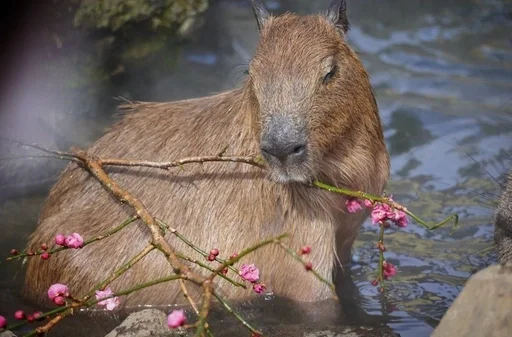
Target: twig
380,277
178,163
89,241
363,195
234,313
190,244
318,276
246,251
123,269
207,296
189,259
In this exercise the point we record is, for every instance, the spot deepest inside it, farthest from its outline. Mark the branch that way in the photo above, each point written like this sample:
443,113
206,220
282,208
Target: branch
363,195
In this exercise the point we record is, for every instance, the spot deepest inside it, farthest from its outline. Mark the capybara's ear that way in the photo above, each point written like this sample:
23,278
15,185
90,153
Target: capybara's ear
337,14
260,13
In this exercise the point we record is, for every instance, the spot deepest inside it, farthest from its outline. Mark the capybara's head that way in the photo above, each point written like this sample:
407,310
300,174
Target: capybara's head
310,92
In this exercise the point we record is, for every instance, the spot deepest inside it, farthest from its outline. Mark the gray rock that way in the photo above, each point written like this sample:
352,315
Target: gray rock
7,334
145,323
483,307
503,223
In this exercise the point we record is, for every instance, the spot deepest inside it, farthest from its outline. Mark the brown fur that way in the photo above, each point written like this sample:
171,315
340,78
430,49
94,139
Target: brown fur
227,205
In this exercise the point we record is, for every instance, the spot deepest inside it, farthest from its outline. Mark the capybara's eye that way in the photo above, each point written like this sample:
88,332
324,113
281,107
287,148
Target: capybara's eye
329,75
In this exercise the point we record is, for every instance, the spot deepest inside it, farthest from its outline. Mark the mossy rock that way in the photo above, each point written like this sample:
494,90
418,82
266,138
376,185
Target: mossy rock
115,14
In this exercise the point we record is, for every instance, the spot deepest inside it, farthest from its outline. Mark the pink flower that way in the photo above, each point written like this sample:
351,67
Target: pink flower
250,273
401,219
59,300
110,303
176,319
58,289
259,288
383,212
353,205
74,241
305,250
388,270
368,203
19,315
379,214
60,239
3,322
37,314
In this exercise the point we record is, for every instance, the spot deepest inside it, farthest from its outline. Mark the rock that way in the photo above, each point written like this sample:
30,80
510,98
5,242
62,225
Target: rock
483,307
503,224
7,334
148,322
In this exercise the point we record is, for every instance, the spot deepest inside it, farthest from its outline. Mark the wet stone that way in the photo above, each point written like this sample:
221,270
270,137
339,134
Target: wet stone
483,307
7,334
149,322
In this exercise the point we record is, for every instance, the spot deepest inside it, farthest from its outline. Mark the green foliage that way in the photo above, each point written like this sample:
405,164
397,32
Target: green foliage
114,14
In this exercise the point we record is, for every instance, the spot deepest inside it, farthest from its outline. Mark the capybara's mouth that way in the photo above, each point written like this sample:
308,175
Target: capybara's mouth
285,175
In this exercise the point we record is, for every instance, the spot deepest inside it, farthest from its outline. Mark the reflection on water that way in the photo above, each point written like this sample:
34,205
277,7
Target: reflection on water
442,71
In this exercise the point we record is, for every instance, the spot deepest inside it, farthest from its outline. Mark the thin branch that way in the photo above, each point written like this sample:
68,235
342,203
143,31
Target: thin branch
190,244
317,275
123,269
237,315
87,242
363,195
178,163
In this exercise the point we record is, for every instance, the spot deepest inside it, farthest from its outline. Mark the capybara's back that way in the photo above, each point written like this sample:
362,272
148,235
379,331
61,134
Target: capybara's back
307,106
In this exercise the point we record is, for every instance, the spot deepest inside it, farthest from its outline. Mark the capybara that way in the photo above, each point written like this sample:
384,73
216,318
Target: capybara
306,106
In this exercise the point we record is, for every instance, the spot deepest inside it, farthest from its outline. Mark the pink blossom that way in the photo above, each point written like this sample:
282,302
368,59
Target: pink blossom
305,250
250,273
37,314
60,239
176,319
58,289
259,288
401,219
368,203
74,241
353,205
3,322
379,214
19,315
383,212
109,303
388,270
59,300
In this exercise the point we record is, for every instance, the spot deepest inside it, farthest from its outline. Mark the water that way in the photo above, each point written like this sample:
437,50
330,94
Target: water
442,71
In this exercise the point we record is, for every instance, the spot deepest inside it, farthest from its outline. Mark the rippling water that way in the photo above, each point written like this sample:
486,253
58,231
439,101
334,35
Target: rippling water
442,71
